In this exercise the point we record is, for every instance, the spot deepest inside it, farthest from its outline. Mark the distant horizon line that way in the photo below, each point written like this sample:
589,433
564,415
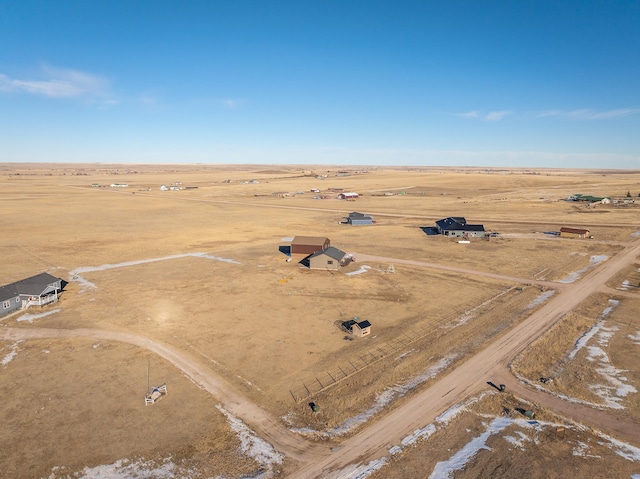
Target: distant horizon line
309,166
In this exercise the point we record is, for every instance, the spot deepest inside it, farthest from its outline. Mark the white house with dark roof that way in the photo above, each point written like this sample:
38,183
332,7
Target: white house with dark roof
36,290
457,226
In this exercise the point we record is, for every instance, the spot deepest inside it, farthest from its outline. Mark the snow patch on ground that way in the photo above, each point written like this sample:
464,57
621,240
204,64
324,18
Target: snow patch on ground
126,469
13,352
572,277
629,452
518,441
635,234
360,471
446,469
459,459
76,273
586,337
541,299
31,317
363,269
253,446
635,337
616,389
624,286
582,449
382,400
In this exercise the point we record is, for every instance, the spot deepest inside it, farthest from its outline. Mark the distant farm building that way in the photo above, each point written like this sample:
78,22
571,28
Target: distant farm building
351,195
33,291
309,244
589,198
330,259
356,327
357,219
457,226
566,232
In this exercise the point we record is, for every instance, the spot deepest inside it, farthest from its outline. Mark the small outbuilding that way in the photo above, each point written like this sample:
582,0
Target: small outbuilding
356,327
566,232
309,244
329,259
358,219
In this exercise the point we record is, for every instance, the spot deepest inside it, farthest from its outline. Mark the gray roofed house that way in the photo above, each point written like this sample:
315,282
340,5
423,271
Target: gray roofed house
357,219
330,259
457,226
38,290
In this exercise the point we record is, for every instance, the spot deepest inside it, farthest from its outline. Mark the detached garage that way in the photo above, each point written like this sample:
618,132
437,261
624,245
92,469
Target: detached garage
307,245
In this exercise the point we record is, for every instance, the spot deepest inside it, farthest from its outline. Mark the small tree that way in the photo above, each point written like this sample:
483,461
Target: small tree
628,194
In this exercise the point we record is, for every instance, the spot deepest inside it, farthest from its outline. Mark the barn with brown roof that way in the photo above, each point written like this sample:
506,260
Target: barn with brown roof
567,232
309,244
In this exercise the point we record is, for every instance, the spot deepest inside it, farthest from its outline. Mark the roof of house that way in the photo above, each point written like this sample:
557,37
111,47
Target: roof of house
309,240
332,252
355,214
33,286
457,223
577,231
363,324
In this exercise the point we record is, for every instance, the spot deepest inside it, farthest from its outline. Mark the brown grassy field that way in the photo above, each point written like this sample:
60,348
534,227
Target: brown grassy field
269,327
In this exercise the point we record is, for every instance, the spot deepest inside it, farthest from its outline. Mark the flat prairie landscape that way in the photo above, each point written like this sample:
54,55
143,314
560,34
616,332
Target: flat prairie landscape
194,287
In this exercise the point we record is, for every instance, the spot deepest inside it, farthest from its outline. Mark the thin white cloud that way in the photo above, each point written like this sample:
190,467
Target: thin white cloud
491,116
58,83
589,114
469,114
497,115
232,102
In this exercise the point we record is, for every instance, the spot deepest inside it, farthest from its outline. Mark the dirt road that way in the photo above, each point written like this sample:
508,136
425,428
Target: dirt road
471,377
468,379
360,257
266,426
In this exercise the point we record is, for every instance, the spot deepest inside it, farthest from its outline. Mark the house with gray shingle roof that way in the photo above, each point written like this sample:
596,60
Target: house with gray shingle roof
36,290
329,258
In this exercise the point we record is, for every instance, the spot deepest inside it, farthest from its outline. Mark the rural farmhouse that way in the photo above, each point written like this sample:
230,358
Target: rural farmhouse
36,290
330,259
457,226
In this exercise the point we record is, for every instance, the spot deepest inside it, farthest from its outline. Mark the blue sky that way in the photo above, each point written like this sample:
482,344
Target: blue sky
485,83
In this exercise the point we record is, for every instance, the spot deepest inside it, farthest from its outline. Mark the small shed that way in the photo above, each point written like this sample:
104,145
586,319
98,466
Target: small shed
309,244
566,232
330,259
358,219
356,327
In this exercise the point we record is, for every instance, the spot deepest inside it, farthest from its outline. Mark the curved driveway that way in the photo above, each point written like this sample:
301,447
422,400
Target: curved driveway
470,377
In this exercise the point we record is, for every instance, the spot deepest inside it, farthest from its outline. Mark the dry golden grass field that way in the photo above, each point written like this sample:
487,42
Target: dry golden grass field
202,270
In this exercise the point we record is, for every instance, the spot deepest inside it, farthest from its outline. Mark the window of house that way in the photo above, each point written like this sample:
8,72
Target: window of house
17,300
6,304
330,262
